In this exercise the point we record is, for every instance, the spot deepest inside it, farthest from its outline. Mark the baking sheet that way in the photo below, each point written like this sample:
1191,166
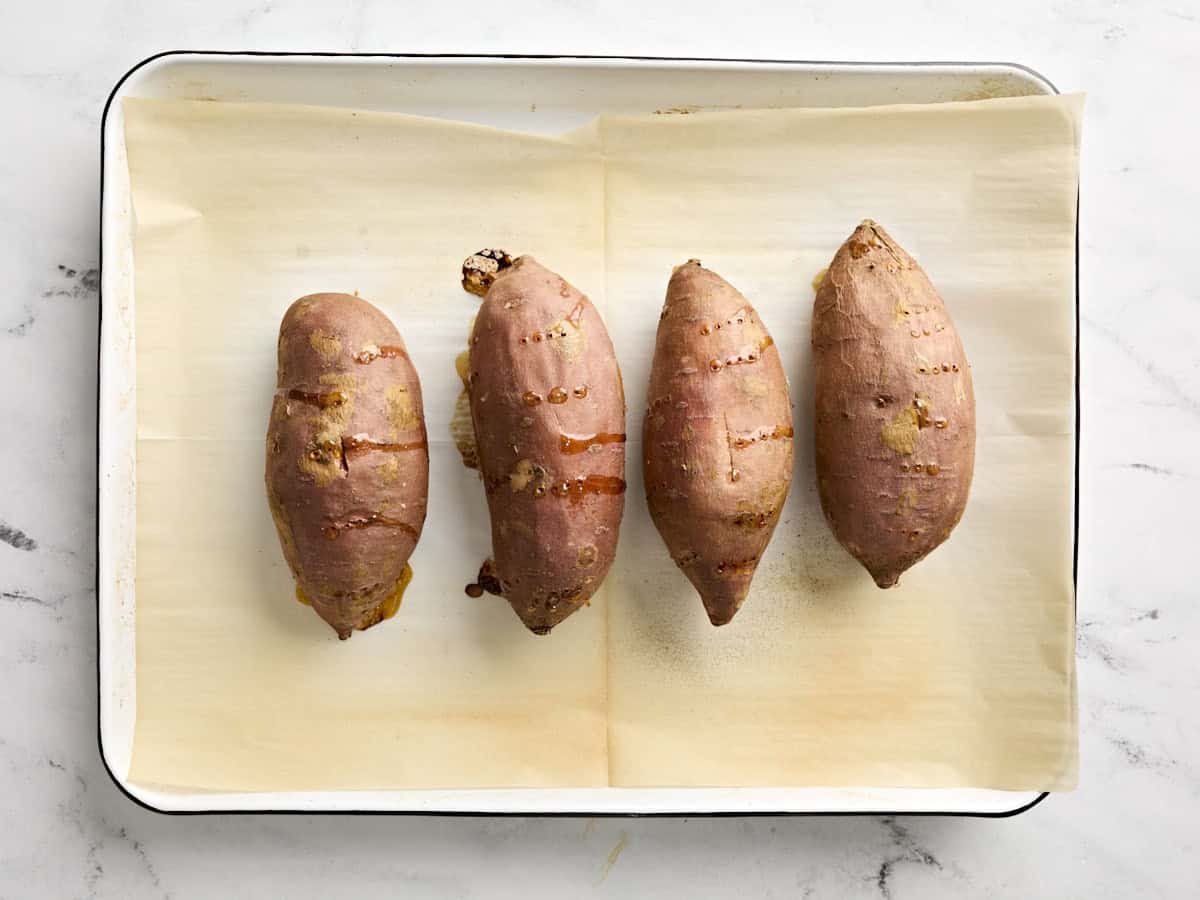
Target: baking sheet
961,677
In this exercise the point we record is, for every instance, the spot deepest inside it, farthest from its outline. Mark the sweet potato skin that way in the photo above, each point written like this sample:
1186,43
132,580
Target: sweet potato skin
894,406
548,409
347,462
717,437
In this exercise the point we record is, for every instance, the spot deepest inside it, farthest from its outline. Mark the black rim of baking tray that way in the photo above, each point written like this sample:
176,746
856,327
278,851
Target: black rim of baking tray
1004,814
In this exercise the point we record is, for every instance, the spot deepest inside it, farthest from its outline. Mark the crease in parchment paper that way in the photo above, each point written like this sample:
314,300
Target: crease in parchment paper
962,676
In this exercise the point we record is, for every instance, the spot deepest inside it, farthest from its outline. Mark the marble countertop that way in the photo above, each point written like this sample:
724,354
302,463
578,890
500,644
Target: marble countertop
1131,827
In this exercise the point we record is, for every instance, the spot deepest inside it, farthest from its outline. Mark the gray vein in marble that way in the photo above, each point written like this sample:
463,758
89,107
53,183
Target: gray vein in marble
905,850
76,812
1153,470
15,537
23,599
1089,645
252,15
140,851
74,282
80,283
22,327
1176,14
1163,379
1138,756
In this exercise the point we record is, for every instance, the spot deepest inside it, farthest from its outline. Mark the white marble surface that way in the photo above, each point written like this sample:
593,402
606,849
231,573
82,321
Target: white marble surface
1130,830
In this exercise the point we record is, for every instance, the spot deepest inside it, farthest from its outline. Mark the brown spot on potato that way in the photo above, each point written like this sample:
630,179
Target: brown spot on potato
327,345
753,387
906,501
401,411
900,434
388,471
287,538
527,473
569,335
322,460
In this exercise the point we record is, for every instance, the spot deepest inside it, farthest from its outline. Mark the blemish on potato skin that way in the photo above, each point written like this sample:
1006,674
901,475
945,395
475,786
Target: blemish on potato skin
402,413
327,345
754,388
388,470
900,434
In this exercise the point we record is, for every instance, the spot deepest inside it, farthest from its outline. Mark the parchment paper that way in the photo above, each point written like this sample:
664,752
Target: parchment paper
962,676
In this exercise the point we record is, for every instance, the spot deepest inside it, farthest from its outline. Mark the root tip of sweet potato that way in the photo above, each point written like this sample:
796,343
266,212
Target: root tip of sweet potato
721,610
885,580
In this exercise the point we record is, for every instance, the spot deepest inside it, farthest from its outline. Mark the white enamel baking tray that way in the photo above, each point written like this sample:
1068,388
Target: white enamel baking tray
543,94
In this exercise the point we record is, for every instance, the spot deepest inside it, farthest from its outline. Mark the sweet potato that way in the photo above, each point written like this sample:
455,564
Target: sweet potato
717,437
347,459
895,407
548,410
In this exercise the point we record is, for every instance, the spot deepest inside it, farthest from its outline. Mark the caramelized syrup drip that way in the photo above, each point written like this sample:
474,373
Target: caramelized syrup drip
391,603
579,487
313,398
557,395
578,443
387,351
359,444
368,520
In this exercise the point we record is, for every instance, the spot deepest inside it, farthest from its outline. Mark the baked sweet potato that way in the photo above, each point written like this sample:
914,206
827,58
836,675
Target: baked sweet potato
717,437
347,459
895,408
548,410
